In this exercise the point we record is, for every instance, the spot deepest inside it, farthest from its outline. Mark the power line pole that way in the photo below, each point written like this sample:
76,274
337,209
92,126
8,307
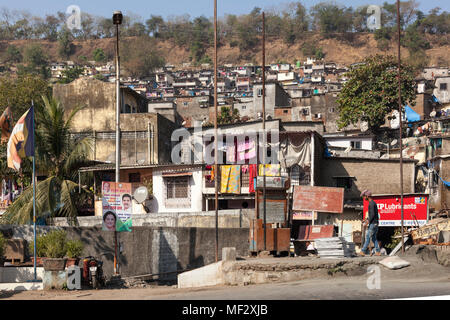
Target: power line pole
264,122
216,151
400,109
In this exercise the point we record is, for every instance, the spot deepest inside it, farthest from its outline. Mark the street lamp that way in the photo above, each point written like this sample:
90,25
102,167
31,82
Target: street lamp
117,20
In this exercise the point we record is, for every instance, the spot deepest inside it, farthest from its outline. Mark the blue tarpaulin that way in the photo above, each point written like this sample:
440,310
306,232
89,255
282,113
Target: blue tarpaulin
435,99
411,115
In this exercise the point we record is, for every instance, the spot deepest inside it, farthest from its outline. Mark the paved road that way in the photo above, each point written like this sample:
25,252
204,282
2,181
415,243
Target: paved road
354,288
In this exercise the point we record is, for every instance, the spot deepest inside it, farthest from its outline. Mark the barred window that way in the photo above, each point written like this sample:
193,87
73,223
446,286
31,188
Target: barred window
177,187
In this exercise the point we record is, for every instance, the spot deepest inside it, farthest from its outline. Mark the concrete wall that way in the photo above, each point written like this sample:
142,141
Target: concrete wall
150,250
379,176
238,218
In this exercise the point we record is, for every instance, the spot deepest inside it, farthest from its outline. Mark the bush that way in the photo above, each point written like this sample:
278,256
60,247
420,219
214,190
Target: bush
2,245
74,248
56,244
50,245
40,246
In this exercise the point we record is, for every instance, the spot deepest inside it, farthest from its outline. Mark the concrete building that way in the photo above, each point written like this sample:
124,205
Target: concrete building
276,96
145,136
442,89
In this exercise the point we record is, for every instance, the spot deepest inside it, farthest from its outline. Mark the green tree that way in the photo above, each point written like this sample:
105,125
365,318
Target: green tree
330,18
140,57
99,55
65,45
36,62
371,92
59,156
70,74
202,36
228,116
18,93
13,55
154,25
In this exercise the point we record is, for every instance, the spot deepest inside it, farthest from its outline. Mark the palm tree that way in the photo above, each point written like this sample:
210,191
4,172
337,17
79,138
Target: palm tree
58,156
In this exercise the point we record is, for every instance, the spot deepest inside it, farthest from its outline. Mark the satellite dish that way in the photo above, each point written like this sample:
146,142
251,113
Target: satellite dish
140,195
364,126
394,142
433,114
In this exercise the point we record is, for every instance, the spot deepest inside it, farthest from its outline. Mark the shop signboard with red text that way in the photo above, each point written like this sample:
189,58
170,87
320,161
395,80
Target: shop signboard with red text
415,209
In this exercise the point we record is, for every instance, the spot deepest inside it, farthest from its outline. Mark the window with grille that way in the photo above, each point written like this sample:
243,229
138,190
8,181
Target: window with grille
177,187
134,177
343,182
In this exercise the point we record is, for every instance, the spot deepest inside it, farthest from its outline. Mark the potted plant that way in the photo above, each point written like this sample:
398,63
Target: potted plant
2,248
40,250
55,250
74,248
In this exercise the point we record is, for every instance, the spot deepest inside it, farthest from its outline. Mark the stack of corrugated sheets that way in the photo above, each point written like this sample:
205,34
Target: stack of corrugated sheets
336,247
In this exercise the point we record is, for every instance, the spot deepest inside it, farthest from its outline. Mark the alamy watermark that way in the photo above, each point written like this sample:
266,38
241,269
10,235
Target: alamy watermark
374,20
374,280
73,21
233,148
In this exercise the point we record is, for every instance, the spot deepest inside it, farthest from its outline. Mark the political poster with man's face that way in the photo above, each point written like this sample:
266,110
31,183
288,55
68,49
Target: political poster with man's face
117,206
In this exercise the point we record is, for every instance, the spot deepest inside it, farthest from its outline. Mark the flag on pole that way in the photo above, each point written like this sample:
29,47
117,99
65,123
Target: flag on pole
6,124
21,142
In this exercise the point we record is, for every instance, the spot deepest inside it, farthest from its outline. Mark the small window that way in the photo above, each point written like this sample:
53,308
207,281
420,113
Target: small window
134,177
305,112
355,144
185,104
331,110
286,111
443,86
344,182
260,92
177,187
244,107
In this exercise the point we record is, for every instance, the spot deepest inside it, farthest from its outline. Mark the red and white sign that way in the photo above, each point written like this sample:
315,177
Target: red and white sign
415,207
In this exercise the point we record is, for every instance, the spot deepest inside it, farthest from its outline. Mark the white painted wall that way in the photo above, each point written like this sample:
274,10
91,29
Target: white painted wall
366,143
196,196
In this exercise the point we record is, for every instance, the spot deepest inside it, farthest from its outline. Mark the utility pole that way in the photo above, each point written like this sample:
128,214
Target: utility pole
264,122
400,109
216,144
117,20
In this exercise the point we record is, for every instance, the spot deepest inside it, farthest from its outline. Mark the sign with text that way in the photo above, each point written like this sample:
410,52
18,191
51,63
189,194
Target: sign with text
431,229
415,210
304,215
321,199
116,206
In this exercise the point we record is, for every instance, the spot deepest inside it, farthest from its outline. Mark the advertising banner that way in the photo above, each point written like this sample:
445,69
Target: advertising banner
116,206
415,210
321,199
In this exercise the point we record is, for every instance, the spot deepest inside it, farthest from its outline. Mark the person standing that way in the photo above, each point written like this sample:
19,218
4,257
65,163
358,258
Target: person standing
372,221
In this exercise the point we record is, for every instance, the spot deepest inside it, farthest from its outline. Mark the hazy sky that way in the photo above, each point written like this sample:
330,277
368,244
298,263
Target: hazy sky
194,8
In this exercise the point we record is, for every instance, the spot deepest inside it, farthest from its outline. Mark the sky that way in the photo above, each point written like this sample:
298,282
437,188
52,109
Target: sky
195,8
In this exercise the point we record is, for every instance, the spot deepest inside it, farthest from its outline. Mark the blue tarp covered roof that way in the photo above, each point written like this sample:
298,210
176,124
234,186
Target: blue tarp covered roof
411,115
